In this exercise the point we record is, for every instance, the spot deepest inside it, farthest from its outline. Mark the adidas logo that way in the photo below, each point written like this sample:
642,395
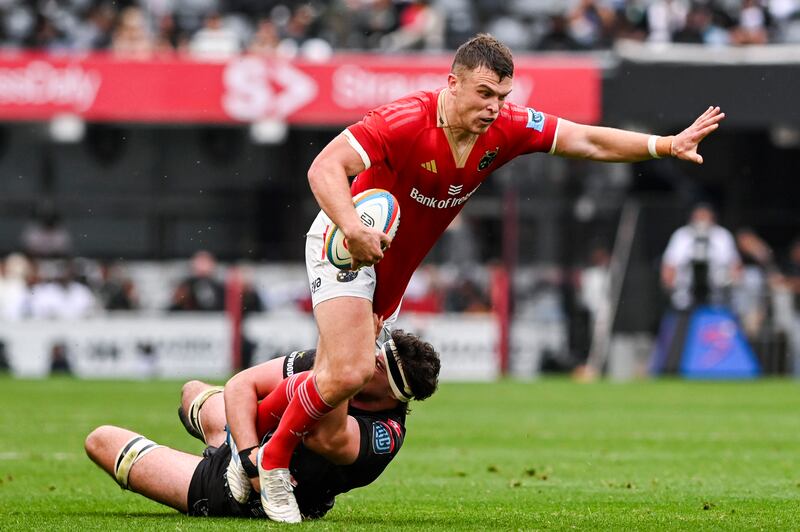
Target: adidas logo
430,166
454,190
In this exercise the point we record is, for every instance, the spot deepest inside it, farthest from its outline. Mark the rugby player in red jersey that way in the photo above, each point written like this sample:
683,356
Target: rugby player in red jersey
432,150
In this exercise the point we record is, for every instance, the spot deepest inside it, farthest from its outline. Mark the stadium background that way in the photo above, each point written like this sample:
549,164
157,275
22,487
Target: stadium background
136,134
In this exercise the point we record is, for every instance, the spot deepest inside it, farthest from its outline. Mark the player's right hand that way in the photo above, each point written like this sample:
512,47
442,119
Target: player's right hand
366,246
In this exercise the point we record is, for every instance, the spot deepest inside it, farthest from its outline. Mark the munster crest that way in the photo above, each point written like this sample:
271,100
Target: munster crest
487,158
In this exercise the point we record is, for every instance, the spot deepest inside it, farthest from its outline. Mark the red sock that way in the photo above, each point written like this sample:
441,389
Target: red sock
303,412
272,407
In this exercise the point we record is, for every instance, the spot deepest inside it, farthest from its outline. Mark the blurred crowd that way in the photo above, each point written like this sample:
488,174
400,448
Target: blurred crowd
46,280
217,29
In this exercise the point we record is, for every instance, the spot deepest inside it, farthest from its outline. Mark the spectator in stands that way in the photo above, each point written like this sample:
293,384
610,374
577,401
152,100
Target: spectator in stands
752,24
701,29
46,36
59,295
298,30
590,24
466,295
792,281
700,261
46,237
59,359
131,38
376,20
631,20
558,37
94,33
758,268
14,288
116,290
365,24
421,28
594,281
201,291
214,41
169,36
424,291
251,300
265,40
665,18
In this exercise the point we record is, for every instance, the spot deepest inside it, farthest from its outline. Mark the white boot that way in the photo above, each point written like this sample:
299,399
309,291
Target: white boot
237,479
277,494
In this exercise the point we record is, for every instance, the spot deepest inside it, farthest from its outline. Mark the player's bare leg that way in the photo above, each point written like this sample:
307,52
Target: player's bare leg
203,408
345,363
162,474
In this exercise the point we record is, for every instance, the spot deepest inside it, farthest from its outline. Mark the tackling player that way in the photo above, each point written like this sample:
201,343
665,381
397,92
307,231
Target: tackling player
431,150
348,449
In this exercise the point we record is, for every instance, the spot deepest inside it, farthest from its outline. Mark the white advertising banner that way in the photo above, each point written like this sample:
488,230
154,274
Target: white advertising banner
467,344
129,346
198,345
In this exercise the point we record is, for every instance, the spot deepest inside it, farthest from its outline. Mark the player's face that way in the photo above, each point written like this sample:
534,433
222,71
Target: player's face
378,387
479,95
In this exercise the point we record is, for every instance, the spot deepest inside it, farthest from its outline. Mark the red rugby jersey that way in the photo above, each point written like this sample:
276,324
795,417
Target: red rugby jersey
406,150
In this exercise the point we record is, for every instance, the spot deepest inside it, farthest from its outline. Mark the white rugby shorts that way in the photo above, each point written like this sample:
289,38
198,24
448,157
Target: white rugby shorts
326,280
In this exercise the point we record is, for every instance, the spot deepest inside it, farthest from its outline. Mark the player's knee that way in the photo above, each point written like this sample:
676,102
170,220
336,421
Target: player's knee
96,441
189,391
351,377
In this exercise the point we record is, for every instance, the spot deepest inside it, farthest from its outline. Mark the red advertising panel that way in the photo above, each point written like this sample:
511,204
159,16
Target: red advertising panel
100,87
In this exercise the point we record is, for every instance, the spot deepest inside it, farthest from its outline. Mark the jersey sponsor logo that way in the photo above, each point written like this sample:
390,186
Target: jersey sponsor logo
346,276
290,360
382,441
487,158
435,203
430,166
455,190
535,120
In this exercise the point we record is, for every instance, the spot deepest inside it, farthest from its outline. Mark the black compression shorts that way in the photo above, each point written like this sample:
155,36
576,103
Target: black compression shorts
209,495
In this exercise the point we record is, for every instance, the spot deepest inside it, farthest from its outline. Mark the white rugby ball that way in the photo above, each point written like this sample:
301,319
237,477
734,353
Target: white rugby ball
377,208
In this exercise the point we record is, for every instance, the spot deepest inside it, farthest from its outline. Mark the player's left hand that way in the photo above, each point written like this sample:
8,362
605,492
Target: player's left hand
684,144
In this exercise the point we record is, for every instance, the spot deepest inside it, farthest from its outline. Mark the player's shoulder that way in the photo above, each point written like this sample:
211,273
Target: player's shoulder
409,113
512,112
515,116
385,434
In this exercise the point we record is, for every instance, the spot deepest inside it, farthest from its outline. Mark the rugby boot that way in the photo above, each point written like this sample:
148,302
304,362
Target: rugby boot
235,476
277,494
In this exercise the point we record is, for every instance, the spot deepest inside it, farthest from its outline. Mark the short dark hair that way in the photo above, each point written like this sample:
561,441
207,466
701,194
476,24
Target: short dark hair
420,363
484,50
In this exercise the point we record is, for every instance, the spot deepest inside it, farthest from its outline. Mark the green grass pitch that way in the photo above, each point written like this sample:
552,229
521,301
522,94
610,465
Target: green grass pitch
548,454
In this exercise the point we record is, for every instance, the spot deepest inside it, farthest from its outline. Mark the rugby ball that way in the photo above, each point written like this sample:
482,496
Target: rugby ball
377,208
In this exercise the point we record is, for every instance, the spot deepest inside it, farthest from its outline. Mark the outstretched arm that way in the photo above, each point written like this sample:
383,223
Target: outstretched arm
580,141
